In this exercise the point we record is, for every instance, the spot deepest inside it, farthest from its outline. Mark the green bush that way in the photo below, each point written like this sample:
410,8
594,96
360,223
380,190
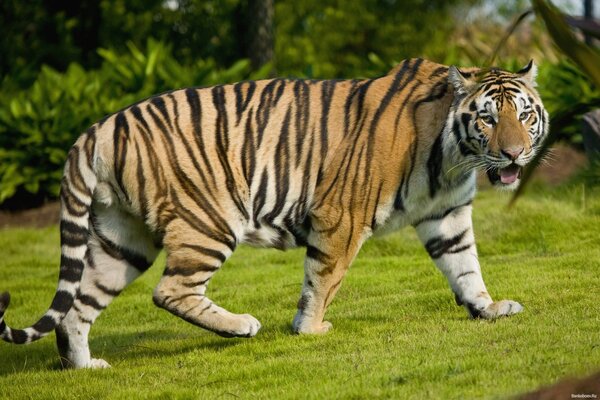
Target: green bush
38,125
565,87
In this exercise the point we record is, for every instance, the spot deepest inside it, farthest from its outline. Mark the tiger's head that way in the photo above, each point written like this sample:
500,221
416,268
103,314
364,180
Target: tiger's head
499,120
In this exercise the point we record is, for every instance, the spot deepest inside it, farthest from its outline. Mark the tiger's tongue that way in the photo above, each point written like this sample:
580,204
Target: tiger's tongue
509,174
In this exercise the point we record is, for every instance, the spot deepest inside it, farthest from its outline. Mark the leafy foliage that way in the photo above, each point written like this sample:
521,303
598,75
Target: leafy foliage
585,98
38,125
564,87
333,39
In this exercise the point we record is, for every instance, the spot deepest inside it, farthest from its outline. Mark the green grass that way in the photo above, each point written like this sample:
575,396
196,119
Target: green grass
397,332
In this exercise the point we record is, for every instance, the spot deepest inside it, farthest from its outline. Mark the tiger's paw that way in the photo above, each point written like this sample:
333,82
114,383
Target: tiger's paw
502,308
97,363
249,326
239,325
303,325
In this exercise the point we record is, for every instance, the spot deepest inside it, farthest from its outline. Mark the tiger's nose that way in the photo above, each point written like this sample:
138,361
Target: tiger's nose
512,152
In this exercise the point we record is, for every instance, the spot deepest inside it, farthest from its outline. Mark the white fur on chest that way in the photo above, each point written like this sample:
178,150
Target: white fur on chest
419,206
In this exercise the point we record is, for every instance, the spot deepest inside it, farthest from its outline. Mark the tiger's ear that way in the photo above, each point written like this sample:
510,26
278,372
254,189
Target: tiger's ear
528,73
462,84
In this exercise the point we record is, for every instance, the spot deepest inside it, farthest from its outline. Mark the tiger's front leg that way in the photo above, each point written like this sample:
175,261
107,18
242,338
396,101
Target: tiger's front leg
450,242
329,254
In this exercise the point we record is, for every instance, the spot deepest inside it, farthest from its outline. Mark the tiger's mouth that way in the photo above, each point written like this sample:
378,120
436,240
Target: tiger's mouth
504,176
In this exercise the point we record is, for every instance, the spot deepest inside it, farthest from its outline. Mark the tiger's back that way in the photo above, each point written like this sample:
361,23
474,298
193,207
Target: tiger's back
255,152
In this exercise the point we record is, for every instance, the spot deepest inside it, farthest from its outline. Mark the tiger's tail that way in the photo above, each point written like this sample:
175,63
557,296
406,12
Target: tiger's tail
77,186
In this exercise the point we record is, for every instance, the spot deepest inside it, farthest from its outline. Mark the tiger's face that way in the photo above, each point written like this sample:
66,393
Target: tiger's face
499,121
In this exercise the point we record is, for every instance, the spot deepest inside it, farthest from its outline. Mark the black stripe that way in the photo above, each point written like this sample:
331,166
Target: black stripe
193,284
62,342
19,336
356,99
90,301
398,202
268,100
438,246
260,198
377,200
138,261
241,103
157,171
161,106
475,313
248,151
70,201
308,184
107,291
316,254
221,125
119,252
301,100
460,249
72,235
439,71
216,254
89,146
189,271
70,269
170,300
464,149
465,274
141,178
75,178
62,301
193,100
327,90
120,137
45,324
434,165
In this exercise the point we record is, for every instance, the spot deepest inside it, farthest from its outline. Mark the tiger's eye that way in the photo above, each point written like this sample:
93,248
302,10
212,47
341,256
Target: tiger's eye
524,116
488,120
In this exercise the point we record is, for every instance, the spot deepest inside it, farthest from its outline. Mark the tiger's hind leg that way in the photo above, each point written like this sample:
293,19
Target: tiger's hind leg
193,256
119,250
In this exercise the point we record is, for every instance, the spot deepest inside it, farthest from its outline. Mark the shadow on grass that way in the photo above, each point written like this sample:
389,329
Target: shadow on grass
116,348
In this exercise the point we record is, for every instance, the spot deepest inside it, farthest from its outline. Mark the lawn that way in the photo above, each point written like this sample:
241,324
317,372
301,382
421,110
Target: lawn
397,332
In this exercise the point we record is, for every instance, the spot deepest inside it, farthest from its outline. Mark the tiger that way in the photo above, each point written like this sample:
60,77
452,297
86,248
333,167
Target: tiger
283,163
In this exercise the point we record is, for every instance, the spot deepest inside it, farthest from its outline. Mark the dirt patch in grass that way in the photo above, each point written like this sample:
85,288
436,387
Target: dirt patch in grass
33,218
586,388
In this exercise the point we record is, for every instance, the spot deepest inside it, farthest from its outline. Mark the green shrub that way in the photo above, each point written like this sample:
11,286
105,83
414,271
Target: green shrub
38,125
565,87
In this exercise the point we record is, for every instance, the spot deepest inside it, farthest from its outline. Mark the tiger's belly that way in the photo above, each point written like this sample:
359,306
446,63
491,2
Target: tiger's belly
287,229
270,236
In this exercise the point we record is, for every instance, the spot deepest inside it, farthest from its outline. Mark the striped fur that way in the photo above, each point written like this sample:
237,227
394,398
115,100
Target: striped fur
283,163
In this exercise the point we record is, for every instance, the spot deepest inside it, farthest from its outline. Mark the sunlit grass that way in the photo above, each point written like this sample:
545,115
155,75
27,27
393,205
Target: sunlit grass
397,332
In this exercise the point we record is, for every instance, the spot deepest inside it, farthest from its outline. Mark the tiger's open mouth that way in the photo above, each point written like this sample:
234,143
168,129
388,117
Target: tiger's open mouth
504,176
